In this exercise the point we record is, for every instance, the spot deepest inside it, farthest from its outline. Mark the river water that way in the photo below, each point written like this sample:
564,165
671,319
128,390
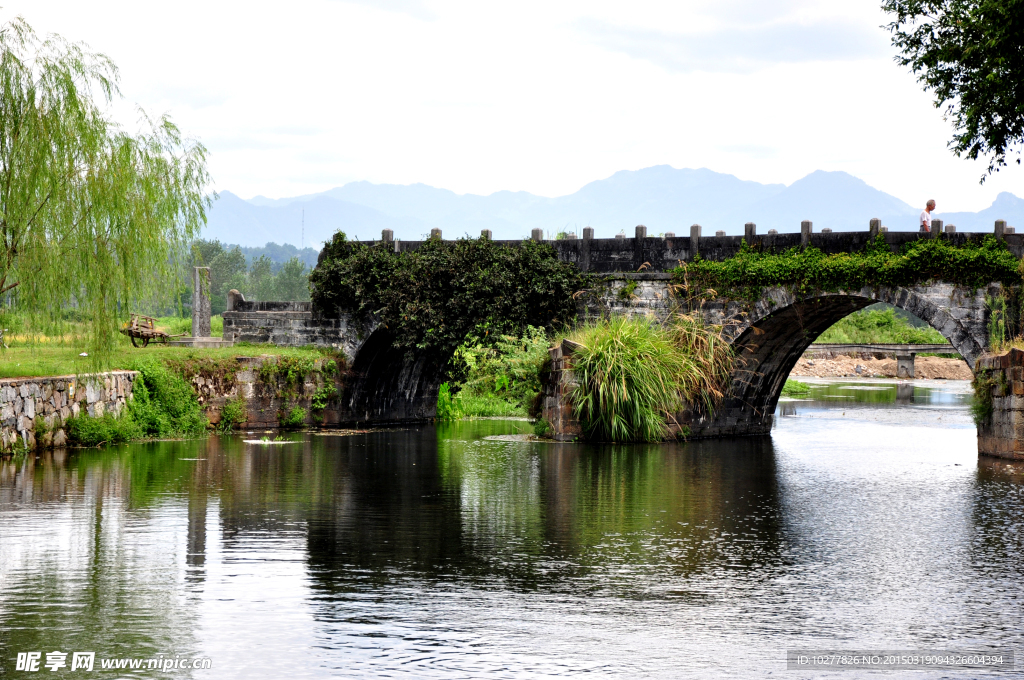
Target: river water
865,522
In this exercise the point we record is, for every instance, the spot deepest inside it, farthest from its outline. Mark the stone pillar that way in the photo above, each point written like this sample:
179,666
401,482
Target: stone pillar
387,235
641,231
537,235
873,226
1000,229
1001,382
557,407
905,365
936,228
485,234
805,233
694,240
749,232
950,228
435,233
201,302
588,233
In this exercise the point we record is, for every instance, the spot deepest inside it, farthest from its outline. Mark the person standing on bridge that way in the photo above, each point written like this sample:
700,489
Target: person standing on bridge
926,216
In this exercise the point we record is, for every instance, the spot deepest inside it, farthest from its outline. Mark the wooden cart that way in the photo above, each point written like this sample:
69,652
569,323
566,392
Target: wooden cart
142,329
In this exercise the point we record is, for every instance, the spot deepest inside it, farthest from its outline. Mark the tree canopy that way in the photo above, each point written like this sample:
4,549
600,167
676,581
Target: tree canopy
970,54
258,278
92,217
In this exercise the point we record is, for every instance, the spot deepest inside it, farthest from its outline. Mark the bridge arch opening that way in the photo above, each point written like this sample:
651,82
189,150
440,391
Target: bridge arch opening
387,385
775,334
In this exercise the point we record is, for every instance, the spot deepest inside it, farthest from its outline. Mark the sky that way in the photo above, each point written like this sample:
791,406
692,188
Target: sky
299,97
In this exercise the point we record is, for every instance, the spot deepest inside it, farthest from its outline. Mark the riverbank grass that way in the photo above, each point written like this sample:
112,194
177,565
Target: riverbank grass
50,359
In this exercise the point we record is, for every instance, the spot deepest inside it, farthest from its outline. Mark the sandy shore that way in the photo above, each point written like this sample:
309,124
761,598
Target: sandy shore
931,368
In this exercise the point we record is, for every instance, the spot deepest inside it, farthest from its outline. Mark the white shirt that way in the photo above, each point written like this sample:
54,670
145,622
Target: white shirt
926,219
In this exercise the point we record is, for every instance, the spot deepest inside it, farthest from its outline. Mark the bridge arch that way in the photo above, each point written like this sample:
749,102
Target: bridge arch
772,334
387,385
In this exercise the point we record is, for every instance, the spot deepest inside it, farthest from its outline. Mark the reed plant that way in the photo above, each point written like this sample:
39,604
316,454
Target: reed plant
634,374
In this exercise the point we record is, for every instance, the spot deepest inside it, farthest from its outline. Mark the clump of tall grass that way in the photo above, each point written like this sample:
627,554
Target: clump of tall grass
634,374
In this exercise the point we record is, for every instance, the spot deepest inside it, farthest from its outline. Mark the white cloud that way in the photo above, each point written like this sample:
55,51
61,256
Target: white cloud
297,97
741,48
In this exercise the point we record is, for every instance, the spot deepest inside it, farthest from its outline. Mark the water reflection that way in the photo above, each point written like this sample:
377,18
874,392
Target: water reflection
435,552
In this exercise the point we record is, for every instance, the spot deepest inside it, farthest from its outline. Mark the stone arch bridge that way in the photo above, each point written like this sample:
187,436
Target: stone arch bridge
386,387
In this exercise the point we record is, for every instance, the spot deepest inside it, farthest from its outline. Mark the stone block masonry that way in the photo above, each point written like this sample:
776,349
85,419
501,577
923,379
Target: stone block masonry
266,393
1002,376
557,409
34,411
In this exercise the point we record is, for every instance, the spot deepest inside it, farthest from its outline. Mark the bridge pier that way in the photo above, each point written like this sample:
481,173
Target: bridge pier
1000,382
905,365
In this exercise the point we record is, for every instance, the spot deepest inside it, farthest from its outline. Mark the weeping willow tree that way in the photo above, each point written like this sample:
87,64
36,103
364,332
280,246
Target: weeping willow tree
93,218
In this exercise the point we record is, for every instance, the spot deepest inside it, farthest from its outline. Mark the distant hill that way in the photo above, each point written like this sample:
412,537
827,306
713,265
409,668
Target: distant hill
661,197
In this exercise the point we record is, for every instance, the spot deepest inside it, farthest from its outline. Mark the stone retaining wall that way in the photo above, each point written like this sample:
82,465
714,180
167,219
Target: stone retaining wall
267,396
33,411
290,324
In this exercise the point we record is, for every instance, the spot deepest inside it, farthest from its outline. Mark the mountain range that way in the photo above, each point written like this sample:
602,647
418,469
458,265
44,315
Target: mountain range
663,198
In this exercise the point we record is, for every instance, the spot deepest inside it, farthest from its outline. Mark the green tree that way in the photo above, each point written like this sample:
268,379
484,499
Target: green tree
970,54
91,216
293,281
227,270
261,283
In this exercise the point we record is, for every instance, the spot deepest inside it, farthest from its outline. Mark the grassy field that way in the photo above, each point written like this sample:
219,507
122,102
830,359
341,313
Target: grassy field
43,359
35,356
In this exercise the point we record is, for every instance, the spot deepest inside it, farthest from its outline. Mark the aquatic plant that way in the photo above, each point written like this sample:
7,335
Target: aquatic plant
795,388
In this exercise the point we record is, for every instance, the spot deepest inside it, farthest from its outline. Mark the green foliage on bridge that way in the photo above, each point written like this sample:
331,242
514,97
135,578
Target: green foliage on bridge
809,270
432,298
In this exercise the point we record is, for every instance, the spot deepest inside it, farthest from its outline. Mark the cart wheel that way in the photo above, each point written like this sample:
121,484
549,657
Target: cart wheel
136,341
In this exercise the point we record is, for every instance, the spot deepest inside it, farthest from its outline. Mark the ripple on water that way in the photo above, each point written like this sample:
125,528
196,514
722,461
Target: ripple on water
435,552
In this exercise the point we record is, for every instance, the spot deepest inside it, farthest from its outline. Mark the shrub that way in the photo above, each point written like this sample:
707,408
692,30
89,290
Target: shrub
86,430
447,408
323,395
634,373
434,297
164,404
233,414
501,372
294,418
